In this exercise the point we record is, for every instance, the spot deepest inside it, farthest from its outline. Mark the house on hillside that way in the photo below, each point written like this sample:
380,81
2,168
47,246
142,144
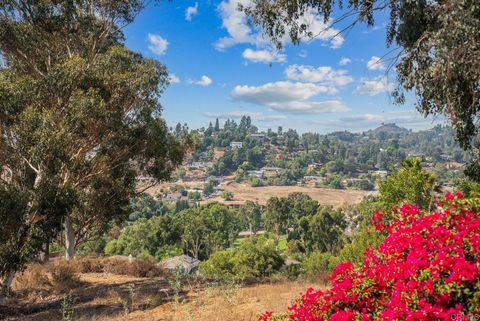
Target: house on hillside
200,165
312,180
257,137
258,174
246,234
234,204
271,171
185,263
381,174
174,197
236,145
216,179
283,156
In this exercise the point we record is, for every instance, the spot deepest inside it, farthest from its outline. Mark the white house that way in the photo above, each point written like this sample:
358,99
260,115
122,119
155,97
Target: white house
236,145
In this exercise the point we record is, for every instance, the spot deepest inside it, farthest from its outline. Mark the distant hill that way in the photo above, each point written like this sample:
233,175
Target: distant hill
390,128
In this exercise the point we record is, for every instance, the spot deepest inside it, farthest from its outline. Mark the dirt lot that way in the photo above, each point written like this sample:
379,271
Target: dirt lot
244,192
325,196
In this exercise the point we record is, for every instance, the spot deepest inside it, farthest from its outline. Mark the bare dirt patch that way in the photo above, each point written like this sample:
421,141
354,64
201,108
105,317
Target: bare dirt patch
325,196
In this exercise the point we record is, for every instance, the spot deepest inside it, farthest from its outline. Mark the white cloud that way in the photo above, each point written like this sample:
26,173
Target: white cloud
280,91
344,61
157,44
240,32
370,118
325,75
287,96
263,56
375,63
203,81
173,79
239,114
372,87
310,107
191,11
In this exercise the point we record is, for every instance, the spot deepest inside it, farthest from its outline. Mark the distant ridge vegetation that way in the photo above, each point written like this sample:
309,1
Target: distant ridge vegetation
390,128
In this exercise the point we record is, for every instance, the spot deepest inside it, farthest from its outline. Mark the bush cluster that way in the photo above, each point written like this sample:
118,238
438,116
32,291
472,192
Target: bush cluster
256,257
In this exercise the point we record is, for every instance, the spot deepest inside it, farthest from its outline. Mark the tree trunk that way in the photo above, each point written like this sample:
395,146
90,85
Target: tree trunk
47,250
6,284
69,239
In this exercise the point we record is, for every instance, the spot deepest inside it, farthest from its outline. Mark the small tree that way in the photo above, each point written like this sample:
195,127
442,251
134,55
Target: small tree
408,184
208,228
227,195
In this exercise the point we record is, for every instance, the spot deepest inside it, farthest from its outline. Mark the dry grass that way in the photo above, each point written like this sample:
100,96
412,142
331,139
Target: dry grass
118,265
244,192
325,196
102,296
224,303
45,279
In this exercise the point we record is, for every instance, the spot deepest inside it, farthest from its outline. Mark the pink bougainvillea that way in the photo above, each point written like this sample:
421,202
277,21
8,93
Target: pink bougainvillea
427,268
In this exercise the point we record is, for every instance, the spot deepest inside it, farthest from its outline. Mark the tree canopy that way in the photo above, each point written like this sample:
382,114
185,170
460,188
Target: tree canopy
79,117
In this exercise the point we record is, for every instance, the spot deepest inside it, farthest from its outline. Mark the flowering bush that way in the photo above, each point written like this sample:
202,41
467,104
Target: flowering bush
426,269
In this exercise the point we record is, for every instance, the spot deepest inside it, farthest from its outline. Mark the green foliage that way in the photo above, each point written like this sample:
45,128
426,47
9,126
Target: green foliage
323,231
319,264
227,195
250,216
256,182
277,216
145,206
408,184
17,238
209,188
367,237
84,113
335,181
208,228
257,257
155,237
196,196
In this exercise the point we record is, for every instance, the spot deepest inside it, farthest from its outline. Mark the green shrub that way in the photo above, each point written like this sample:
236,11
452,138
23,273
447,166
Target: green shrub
319,265
256,257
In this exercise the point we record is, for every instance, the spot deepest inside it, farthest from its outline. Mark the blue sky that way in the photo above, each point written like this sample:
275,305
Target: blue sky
221,67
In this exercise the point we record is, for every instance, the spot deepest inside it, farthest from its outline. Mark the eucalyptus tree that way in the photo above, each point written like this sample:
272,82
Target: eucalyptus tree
79,119
436,45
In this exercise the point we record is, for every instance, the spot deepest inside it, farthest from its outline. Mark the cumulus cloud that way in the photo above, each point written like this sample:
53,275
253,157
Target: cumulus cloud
203,81
239,114
325,75
310,107
264,56
173,79
372,87
375,63
280,91
344,61
191,11
157,44
287,96
240,32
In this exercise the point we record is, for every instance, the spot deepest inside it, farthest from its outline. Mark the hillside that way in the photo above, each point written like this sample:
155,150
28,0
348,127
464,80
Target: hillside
108,296
390,128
